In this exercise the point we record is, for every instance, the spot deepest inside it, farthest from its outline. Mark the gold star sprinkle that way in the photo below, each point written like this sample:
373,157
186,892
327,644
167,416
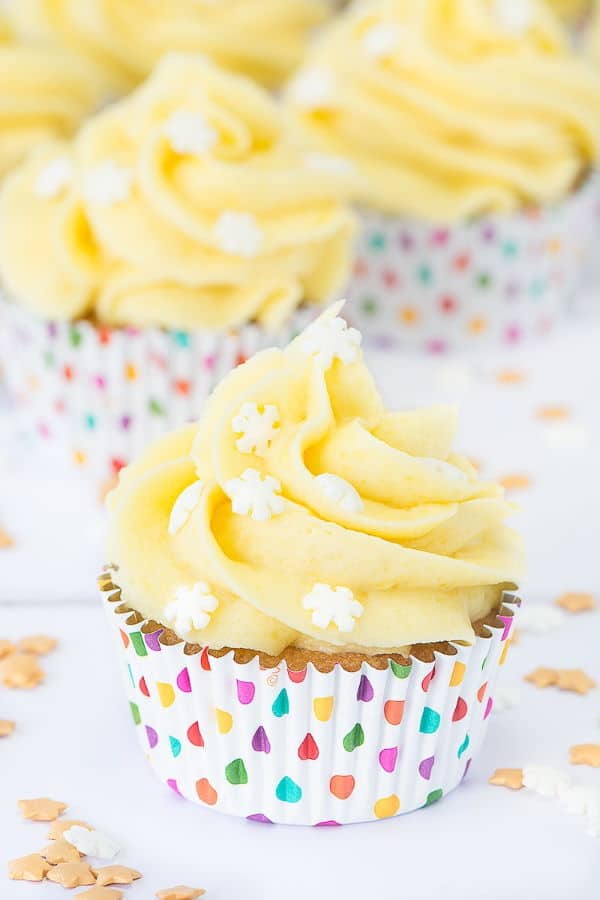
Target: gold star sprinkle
180,893
6,648
585,755
575,602
553,413
41,809
6,540
100,893
510,778
57,829
20,670
61,851
115,875
28,868
71,874
511,376
38,644
575,680
543,677
515,481
6,727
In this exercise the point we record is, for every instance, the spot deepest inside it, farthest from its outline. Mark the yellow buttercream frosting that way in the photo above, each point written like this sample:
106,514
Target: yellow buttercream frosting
264,39
451,108
44,93
184,205
301,512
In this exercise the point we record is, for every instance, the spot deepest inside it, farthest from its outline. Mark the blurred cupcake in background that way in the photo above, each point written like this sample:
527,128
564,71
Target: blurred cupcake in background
176,235
472,129
263,39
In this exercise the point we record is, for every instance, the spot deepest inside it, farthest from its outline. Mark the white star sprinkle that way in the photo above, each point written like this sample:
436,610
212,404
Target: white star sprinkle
313,89
331,165
257,428
544,780
238,234
189,133
253,495
341,492
540,618
505,699
335,605
191,608
184,506
108,183
514,16
381,40
91,843
329,339
575,799
54,178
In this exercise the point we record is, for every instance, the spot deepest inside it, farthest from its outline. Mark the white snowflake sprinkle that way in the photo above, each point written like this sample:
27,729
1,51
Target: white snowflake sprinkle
108,183
341,492
238,234
189,133
191,608
514,16
313,89
381,40
566,436
540,618
184,506
54,178
329,164
545,780
329,339
333,605
257,428
91,843
574,798
506,698
253,495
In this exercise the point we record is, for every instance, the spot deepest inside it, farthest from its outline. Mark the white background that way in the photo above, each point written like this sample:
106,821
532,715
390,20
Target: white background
75,742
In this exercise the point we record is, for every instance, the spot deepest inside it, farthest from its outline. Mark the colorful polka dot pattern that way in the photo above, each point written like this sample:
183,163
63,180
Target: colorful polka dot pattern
99,395
499,280
310,747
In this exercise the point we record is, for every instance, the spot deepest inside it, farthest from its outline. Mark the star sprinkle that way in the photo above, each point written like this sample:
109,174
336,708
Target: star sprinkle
101,893
184,506
545,780
60,852
505,699
54,178
6,727
574,680
576,602
191,608
543,677
514,16
585,755
57,829
553,413
333,605
91,843
180,893
189,133
329,339
28,868
41,809
509,778
511,376
381,40
340,491
257,427
6,648
72,874
20,671
515,481
540,619
253,495
38,644
108,183
116,875
238,234
313,89
6,541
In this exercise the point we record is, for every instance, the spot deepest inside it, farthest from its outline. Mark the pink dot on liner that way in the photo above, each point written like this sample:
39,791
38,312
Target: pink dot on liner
328,824
439,237
245,692
209,362
388,758
512,334
173,785
99,381
436,345
428,679
488,707
183,681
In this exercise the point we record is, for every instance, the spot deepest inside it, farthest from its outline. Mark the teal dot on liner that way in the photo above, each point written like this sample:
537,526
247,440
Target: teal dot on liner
138,643
131,675
510,248
49,359
135,713
175,746
155,407
463,746
377,241
281,704
369,306
235,772
75,337
181,338
430,721
536,289
288,791
90,421
484,280
398,670
425,274
434,796
355,738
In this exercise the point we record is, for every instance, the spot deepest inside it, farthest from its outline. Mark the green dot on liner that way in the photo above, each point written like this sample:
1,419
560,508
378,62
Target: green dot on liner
138,643
434,796
536,288
355,738
135,713
49,358
155,407
377,241
235,772
398,670
484,280
368,306
509,248
75,337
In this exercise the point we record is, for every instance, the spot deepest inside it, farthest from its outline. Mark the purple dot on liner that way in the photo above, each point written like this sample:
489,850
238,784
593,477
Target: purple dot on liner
488,233
508,620
436,345
388,757
365,690
467,767
152,640
260,817
384,342
488,707
260,741
406,241
173,785
183,681
328,824
125,422
152,736
52,329
425,767
245,691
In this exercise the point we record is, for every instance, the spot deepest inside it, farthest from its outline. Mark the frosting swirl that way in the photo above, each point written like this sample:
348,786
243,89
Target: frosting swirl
301,512
184,205
263,39
451,108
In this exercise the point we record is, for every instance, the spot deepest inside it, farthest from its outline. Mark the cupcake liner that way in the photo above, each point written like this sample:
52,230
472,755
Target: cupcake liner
100,395
307,747
497,280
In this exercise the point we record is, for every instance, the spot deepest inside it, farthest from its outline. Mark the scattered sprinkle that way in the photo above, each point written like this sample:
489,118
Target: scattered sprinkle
540,618
6,727
191,608
553,413
253,495
543,677
575,602
257,427
72,874
54,178
313,89
514,16
190,133
340,491
108,183
575,680
90,842
57,829
6,648
545,780
60,851
6,541
585,755
381,40
42,809
516,481
511,376
38,644
180,893
184,506
330,164
506,698
238,234
116,875
20,671
28,868
509,778
101,893
333,605
328,339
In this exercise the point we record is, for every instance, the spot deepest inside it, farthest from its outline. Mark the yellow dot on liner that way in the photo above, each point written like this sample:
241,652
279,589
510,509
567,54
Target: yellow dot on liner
323,707
166,694
79,457
131,373
387,806
504,653
458,673
224,721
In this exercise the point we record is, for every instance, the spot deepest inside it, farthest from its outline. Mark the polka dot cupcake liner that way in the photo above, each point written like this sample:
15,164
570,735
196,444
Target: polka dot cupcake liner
498,280
97,396
307,747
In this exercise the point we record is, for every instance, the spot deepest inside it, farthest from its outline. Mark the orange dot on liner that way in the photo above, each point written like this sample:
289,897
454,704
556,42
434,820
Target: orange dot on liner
554,245
341,786
511,376
408,315
477,325
206,792
515,481
79,457
553,413
131,372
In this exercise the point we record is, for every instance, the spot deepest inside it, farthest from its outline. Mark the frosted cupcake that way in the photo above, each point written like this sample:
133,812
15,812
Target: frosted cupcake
308,594
472,128
179,232
263,39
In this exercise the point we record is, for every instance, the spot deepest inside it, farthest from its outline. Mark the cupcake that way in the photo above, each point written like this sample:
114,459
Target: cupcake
311,595
177,234
472,129
263,39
